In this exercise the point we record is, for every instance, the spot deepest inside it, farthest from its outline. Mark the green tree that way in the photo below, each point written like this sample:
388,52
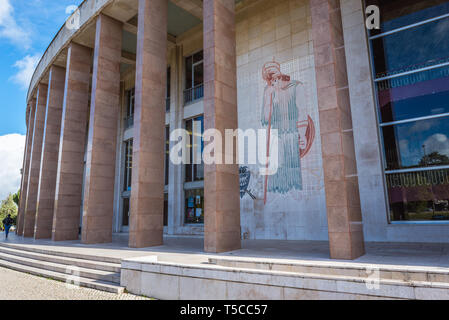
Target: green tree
434,158
8,206
16,197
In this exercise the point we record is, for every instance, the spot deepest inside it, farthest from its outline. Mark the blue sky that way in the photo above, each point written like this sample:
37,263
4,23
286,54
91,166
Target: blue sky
26,29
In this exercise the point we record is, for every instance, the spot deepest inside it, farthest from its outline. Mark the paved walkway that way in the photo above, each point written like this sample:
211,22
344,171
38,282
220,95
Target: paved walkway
21,286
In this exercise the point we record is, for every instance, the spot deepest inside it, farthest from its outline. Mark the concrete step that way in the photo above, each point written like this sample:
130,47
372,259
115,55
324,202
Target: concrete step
83,282
56,252
341,269
113,277
202,281
96,265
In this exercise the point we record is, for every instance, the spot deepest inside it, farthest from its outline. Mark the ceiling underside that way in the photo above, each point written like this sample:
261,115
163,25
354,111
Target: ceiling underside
183,15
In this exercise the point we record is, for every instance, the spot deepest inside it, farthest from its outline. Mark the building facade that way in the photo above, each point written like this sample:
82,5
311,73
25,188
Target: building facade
361,114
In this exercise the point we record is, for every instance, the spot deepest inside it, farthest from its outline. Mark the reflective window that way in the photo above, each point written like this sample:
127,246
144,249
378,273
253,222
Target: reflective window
167,153
194,70
130,103
128,165
417,144
411,75
415,95
194,170
167,98
125,214
165,209
396,14
411,49
194,88
422,195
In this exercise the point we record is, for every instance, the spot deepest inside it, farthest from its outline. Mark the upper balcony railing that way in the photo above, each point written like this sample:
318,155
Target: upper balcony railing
193,94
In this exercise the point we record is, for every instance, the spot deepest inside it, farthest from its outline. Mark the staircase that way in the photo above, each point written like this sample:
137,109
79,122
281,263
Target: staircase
406,274
95,272
382,281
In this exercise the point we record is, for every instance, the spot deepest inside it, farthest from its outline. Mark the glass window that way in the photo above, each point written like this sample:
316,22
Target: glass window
412,49
165,209
417,144
194,204
194,77
396,14
189,72
167,153
412,85
417,196
130,103
415,95
128,164
125,216
194,170
168,81
167,99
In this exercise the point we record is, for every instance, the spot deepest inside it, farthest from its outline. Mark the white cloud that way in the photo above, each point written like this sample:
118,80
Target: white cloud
26,68
11,150
9,27
437,143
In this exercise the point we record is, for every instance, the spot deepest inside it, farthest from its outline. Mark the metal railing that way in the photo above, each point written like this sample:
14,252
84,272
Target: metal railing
193,94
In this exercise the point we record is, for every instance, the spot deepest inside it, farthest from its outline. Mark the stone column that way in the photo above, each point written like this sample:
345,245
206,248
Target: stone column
69,179
339,164
221,183
26,166
147,192
101,146
50,150
35,161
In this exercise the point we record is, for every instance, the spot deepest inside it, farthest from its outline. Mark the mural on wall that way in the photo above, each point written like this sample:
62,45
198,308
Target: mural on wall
283,101
245,177
277,90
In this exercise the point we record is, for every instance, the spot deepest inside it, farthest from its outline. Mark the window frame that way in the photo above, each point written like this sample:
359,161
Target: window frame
127,171
191,82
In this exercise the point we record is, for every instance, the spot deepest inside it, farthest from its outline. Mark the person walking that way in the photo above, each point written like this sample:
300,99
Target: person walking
7,224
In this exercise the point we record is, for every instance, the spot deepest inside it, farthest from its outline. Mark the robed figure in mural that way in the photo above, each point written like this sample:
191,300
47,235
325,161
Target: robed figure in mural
283,105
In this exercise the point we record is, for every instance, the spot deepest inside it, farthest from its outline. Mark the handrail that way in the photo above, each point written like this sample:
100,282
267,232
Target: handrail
193,94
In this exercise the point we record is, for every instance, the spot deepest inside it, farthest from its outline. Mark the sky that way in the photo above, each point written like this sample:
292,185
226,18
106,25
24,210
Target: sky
26,29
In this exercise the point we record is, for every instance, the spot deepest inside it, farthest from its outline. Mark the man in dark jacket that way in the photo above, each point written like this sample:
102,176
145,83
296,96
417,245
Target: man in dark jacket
7,223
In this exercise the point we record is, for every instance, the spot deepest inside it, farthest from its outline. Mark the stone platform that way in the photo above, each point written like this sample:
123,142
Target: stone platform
262,269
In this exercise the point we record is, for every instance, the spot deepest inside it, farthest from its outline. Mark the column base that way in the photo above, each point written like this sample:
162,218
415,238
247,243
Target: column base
69,235
346,245
96,237
222,242
43,234
146,240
